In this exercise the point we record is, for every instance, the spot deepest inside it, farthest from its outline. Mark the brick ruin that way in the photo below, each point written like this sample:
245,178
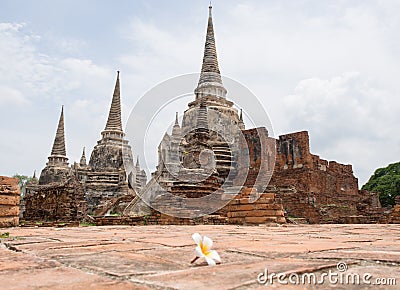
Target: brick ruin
267,209
211,158
106,185
60,201
9,202
394,216
321,191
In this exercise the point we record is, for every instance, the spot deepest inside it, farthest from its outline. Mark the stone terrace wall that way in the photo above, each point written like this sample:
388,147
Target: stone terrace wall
56,202
325,208
394,217
256,158
296,166
322,191
9,202
325,191
265,210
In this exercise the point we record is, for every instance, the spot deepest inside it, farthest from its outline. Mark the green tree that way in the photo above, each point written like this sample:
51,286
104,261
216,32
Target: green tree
22,180
385,181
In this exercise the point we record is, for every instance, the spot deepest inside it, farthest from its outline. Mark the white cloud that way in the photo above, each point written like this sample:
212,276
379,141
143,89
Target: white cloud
349,120
11,97
328,67
33,87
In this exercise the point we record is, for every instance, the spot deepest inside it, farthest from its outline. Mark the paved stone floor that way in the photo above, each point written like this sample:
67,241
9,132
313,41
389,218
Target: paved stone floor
158,257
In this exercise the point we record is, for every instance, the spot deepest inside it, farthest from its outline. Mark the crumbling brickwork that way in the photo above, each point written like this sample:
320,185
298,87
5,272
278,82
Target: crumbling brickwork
256,158
296,166
199,159
322,191
394,217
9,202
56,202
246,208
266,208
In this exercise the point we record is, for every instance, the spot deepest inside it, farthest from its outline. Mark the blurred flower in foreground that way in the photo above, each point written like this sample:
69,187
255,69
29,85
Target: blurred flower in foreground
203,249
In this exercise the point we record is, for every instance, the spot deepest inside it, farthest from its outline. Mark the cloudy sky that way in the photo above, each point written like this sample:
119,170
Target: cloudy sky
329,67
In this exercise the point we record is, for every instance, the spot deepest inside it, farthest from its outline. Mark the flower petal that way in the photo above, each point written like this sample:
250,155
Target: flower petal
197,238
210,261
207,244
199,252
213,255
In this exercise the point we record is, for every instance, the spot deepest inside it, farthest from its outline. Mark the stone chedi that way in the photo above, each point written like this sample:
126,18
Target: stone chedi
57,168
110,169
198,162
210,125
208,159
105,185
213,150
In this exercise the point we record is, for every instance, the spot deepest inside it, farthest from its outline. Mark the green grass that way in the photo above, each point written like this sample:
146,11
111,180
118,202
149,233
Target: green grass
87,224
5,235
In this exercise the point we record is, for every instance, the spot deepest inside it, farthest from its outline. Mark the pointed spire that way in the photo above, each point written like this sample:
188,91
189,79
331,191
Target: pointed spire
176,119
210,82
176,129
33,180
137,163
83,158
241,123
59,142
114,117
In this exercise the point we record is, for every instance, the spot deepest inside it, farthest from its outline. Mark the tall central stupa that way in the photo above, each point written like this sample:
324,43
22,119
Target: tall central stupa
197,159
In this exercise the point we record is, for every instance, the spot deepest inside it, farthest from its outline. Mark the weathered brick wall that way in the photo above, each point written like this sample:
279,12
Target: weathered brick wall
56,202
323,191
325,208
394,217
9,201
265,209
100,197
256,157
241,210
296,166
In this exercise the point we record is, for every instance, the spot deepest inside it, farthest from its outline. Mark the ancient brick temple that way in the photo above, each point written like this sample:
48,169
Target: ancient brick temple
105,185
211,169
212,153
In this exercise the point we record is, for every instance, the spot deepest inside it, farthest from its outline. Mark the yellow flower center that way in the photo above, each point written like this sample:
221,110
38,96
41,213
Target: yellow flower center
204,248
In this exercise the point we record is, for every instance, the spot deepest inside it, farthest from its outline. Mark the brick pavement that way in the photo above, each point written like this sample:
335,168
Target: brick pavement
158,257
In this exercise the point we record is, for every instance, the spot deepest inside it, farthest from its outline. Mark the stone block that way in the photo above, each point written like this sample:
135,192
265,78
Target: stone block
268,195
281,220
236,220
268,206
6,222
7,210
9,181
260,220
265,200
242,207
9,199
248,191
256,213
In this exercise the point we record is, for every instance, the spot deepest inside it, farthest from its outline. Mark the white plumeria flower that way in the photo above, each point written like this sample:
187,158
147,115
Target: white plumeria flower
203,249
